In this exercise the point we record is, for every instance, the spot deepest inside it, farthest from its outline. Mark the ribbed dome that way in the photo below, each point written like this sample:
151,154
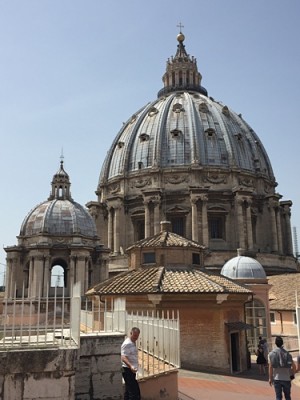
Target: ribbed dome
60,214
58,217
242,267
185,127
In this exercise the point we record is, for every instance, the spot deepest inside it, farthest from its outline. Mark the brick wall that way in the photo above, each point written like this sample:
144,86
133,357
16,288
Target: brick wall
204,338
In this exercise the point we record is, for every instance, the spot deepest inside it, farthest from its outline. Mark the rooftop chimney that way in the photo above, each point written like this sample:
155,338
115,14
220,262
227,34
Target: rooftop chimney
165,226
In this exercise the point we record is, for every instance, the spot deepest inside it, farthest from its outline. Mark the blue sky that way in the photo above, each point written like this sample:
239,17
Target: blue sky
73,71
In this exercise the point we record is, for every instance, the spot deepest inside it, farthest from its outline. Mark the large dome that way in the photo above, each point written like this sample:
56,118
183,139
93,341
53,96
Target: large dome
191,160
60,214
185,127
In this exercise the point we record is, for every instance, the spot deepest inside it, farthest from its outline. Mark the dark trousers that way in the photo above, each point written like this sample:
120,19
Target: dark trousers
282,386
132,390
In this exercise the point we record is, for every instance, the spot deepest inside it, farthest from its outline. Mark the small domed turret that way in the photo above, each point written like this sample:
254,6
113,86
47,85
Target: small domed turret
243,267
60,214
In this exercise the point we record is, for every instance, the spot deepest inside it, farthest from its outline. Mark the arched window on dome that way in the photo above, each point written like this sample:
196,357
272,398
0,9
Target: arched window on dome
138,222
139,229
256,316
178,225
57,276
217,223
177,217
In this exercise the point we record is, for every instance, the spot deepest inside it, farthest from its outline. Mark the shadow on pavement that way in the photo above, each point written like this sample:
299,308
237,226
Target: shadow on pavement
251,373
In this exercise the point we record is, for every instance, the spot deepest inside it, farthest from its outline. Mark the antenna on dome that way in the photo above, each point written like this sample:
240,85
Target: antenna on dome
62,156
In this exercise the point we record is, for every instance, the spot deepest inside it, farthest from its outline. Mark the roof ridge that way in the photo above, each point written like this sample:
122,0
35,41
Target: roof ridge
209,276
158,278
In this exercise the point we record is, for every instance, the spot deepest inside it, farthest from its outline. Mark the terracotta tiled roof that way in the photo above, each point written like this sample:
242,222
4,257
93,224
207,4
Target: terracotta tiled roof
167,280
282,294
166,239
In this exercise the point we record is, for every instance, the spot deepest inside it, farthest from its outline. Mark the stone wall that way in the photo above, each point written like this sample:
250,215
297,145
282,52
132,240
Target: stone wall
39,374
161,386
98,373
92,372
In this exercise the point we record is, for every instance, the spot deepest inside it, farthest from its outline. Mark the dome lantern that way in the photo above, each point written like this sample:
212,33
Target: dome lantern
182,71
60,185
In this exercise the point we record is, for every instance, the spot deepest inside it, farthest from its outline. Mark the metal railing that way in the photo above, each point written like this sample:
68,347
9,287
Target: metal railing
102,316
159,344
59,321
40,321
159,340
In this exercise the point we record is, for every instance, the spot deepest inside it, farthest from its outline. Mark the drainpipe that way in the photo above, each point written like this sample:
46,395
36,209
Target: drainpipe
248,352
281,323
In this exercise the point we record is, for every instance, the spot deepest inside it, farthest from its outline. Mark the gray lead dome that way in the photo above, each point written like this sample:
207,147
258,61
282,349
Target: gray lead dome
60,214
59,217
185,127
242,267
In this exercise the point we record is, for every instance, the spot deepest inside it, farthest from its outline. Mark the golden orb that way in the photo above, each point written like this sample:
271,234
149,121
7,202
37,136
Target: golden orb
180,37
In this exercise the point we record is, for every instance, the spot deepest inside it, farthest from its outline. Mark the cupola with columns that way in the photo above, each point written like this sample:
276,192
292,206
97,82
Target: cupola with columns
182,71
60,184
56,233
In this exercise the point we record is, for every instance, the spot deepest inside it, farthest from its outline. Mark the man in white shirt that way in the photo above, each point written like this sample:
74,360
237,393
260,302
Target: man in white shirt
129,357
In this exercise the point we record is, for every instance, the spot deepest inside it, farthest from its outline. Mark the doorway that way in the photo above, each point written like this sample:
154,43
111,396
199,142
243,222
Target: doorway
235,351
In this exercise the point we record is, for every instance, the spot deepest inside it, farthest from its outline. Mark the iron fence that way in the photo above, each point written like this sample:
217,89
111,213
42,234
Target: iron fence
40,321
159,340
59,321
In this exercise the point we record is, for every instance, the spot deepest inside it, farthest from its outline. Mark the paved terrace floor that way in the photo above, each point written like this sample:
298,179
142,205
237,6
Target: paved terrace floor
248,385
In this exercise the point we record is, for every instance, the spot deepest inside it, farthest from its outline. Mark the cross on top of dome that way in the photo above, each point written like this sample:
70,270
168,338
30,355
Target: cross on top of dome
180,36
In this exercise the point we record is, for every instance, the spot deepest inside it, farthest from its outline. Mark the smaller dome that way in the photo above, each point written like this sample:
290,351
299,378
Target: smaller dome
59,217
242,267
60,214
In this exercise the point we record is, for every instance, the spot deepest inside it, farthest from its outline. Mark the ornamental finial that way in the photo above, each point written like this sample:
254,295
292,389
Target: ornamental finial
180,36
